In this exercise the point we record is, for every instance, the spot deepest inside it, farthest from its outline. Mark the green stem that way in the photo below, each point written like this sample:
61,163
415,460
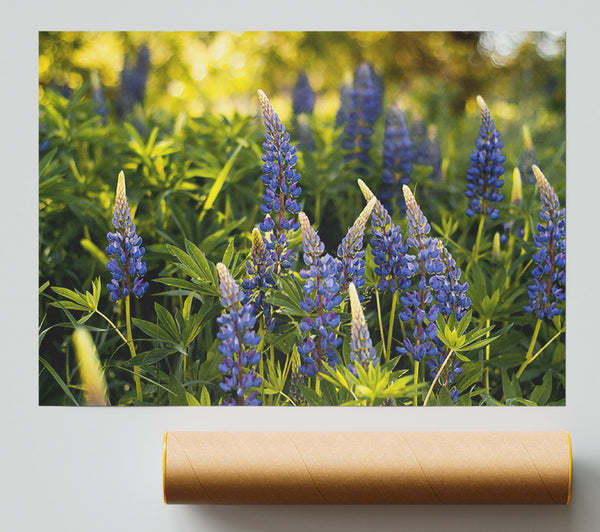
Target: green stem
478,239
385,357
391,326
318,210
487,359
416,381
437,377
529,359
113,326
136,369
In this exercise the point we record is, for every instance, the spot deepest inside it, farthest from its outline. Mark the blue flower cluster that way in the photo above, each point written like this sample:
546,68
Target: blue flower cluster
398,155
125,249
351,252
259,268
342,113
483,175
322,297
450,294
393,265
362,352
303,96
282,189
133,81
238,343
418,133
364,106
419,305
549,277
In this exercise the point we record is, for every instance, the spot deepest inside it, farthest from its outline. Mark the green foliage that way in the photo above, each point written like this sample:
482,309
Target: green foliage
194,187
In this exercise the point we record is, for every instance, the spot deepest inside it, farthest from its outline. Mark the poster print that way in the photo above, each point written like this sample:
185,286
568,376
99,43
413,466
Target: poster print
302,218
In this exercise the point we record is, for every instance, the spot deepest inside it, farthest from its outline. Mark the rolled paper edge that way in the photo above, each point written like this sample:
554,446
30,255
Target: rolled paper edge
164,467
570,468
206,495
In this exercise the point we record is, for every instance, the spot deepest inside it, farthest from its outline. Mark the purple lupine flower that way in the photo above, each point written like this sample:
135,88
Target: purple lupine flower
342,113
483,175
548,288
281,180
303,96
362,352
528,157
418,134
398,156
420,305
351,252
322,297
259,268
364,107
125,249
393,266
133,81
451,296
238,343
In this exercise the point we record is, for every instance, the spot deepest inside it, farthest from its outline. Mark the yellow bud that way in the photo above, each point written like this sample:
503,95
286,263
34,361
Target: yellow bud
257,240
527,139
482,105
121,195
517,188
90,371
366,191
496,248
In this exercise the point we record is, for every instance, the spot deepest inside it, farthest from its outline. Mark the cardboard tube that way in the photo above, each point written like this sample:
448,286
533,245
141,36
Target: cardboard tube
367,467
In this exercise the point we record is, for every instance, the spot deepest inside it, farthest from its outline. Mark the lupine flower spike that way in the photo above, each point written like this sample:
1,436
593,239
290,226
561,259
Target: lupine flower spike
125,248
483,175
451,296
281,179
362,351
548,288
238,343
303,104
322,297
393,265
398,156
259,268
419,305
364,106
351,252
303,96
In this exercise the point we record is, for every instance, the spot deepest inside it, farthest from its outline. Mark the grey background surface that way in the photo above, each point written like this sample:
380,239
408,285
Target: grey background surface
100,469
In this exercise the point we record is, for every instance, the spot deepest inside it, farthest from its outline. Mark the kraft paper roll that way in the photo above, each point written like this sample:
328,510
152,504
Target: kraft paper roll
367,468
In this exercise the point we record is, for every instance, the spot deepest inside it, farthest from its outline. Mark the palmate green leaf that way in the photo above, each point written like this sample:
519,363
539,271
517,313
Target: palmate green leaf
150,357
153,331
219,182
510,386
178,395
541,393
204,397
471,373
167,323
312,397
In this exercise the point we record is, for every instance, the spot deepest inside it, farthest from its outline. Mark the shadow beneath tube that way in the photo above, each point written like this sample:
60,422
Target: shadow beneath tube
583,514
